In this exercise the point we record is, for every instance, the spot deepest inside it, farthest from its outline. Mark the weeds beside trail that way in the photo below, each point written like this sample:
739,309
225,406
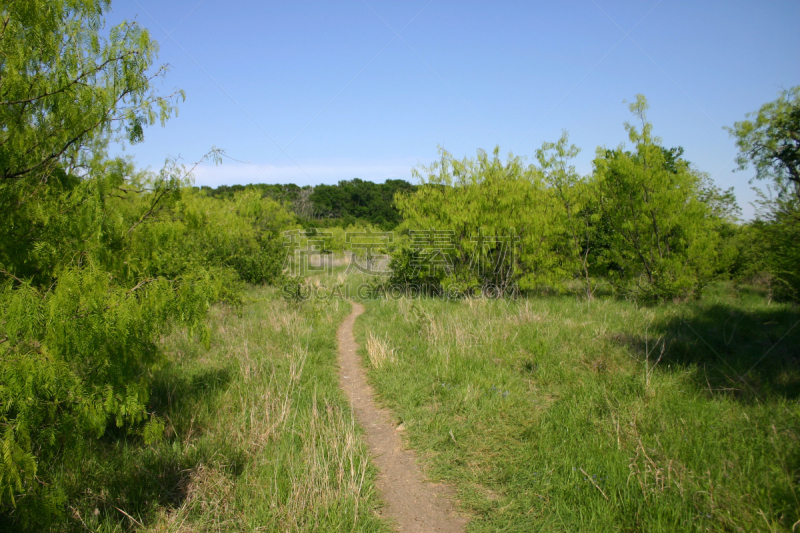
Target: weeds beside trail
258,435
551,415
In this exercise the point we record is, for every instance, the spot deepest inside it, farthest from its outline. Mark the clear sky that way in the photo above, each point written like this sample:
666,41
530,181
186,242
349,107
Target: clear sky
312,92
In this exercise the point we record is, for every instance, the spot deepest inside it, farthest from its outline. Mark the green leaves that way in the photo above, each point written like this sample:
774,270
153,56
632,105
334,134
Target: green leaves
64,86
357,199
78,355
770,141
645,219
662,242
241,234
575,207
485,202
82,304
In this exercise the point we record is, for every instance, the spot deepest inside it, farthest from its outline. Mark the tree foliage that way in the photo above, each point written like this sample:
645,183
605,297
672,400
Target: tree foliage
349,202
770,142
662,241
644,220
64,85
502,219
241,232
358,200
576,208
97,260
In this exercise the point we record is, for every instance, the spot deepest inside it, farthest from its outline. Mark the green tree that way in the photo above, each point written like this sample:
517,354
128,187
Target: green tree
356,199
575,207
662,241
79,325
65,92
725,220
500,220
770,142
242,233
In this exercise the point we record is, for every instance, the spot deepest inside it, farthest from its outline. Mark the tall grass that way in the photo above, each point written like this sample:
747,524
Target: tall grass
258,435
551,414
378,351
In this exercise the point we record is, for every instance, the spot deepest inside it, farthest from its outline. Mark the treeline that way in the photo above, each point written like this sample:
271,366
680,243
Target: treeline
348,203
645,221
356,200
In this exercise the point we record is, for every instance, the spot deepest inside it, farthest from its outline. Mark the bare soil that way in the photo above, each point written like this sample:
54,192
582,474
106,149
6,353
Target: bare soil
412,502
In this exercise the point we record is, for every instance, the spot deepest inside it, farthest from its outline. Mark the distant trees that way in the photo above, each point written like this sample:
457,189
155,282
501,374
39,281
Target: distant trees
292,196
350,202
357,199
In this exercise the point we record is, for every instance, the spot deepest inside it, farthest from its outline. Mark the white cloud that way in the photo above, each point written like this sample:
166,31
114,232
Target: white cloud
305,173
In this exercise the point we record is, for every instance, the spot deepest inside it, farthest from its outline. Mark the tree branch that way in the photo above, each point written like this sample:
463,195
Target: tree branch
9,274
70,84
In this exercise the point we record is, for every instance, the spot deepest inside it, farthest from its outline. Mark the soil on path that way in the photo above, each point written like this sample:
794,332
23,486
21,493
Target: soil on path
415,504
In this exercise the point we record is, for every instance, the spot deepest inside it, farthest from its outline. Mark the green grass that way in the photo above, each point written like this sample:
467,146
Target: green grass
546,413
549,414
258,436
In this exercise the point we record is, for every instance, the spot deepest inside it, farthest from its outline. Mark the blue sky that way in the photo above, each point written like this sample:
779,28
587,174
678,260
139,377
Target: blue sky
315,92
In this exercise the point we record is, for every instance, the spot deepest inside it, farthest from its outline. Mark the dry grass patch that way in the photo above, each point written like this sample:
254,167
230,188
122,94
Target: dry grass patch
379,352
208,507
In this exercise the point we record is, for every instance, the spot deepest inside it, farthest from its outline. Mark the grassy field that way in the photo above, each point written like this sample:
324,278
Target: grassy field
551,414
258,435
546,414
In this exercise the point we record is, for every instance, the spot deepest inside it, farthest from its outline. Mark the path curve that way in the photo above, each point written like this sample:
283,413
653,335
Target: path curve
415,504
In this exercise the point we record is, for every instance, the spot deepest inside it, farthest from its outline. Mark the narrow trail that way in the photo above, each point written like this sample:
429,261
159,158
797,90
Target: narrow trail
415,504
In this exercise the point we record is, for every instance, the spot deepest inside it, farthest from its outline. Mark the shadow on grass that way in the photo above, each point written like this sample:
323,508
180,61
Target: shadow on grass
174,391
749,354
128,478
118,480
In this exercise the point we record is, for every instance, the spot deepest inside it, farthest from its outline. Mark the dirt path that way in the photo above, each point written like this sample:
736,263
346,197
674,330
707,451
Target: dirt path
416,505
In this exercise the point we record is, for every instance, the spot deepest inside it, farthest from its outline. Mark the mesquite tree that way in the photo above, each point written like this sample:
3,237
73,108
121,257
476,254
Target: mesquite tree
79,326
770,141
575,209
498,217
663,243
